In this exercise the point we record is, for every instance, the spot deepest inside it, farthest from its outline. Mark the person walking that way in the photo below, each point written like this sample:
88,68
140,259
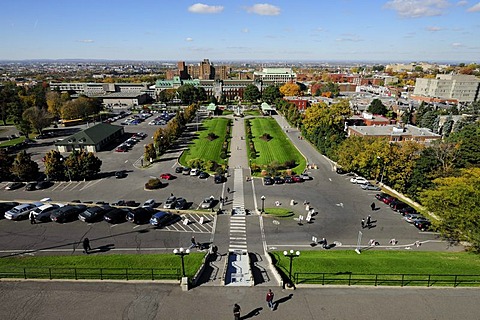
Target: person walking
32,218
86,245
194,243
372,206
236,311
363,223
269,299
369,220
228,190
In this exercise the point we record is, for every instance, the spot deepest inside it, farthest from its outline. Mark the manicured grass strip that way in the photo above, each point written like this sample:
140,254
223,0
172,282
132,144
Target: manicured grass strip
377,262
202,148
12,142
279,149
162,266
278,212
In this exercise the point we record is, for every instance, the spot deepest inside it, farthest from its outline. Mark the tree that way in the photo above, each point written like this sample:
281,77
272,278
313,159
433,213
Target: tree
425,170
82,165
251,93
166,95
271,94
447,126
54,166
468,146
422,109
377,107
6,162
189,94
38,118
54,102
24,168
8,100
290,89
456,202
150,152
80,108
428,120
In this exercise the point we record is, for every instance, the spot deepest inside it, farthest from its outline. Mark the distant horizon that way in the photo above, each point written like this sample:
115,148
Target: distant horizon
221,30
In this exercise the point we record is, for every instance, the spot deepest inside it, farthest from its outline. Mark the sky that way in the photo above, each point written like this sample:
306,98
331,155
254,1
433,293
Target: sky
243,30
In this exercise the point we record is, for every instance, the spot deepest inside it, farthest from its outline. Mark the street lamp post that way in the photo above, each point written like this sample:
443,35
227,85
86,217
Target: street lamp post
382,170
182,253
291,254
263,203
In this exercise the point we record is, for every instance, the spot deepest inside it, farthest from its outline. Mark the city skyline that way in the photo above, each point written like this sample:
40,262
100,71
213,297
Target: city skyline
343,30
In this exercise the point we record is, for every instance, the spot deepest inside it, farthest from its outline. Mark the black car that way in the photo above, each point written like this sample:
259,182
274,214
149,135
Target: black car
203,175
117,215
268,181
218,178
289,179
67,213
43,185
407,210
31,186
396,205
180,204
140,215
125,203
382,195
13,185
278,180
5,206
423,224
120,174
93,214
178,169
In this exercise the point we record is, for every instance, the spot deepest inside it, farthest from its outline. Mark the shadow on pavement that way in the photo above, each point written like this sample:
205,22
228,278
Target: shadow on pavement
255,312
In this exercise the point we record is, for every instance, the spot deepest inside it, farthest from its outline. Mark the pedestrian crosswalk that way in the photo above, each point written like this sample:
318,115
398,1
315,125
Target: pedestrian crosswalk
238,234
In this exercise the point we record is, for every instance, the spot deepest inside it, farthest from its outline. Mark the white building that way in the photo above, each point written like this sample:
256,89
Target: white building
277,75
460,87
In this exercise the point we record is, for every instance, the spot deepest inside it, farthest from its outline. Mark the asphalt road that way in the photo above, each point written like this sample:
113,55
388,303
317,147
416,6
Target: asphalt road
82,300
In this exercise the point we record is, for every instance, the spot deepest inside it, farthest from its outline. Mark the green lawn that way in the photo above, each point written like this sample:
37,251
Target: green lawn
344,262
278,212
12,142
279,149
202,147
88,266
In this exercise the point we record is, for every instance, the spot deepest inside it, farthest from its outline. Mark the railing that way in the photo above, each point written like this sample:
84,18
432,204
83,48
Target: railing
90,273
359,279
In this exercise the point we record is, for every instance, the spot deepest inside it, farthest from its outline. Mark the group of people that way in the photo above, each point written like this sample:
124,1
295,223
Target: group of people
366,223
268,298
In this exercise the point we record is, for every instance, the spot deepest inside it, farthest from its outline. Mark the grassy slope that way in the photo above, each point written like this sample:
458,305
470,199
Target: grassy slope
278,149
205,149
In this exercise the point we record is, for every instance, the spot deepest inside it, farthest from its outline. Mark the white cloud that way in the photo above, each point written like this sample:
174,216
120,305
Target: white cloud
203,8
433,29
462,3
475,8
347,37
457,45
245,30
417,8
264,9
189,39
86,41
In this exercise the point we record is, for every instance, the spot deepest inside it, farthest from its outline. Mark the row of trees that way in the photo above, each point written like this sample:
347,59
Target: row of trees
79,165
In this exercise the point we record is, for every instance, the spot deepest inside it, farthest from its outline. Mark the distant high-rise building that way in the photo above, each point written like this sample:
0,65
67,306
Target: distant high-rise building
278,75
182,70
207,71
460,87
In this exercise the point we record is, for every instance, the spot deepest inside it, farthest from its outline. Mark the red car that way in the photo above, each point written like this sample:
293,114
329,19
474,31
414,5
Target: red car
166,176
297,178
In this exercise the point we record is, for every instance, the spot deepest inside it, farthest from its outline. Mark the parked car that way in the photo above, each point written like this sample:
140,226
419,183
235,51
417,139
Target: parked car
359,180
407,210
117,215
43,212
380,196
170,202
21,211
166,176
305,177
180,204
43,184
297,178
218,178
423,224
31,186
93,214
203,175
13,185
140,215
186,171
150,203
268,181
67,213
5,206
389,199
179,170
207,203
278,180
370,186
288,179
412,217
397,205
194,172
162,218
125,203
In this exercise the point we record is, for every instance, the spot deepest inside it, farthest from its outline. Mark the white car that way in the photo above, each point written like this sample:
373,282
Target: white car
194,172
170,202
359,180
42,213
21,211
150,203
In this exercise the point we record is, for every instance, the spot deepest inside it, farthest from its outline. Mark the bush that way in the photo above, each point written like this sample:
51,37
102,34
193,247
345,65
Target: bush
266,137
153,183
211,136
253,154
223,155
289,164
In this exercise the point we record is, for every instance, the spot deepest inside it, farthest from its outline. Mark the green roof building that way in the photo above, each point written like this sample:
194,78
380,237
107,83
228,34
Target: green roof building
92,139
